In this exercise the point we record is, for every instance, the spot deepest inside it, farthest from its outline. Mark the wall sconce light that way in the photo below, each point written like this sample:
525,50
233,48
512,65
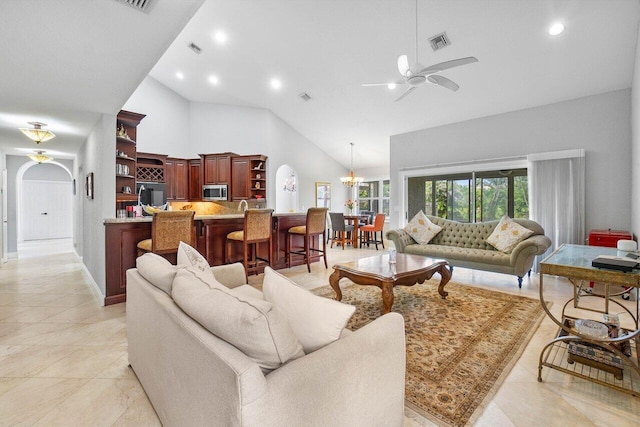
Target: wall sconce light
37,134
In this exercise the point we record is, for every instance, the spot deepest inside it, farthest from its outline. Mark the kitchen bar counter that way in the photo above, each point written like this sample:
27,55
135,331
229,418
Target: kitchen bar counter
123,235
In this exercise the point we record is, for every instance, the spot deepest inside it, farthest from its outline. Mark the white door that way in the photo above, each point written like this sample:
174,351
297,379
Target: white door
3,237
46,209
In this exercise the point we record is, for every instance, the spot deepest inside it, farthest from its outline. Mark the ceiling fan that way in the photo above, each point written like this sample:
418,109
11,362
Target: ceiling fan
417,74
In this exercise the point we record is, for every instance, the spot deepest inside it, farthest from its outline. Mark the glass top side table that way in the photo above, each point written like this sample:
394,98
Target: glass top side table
574,263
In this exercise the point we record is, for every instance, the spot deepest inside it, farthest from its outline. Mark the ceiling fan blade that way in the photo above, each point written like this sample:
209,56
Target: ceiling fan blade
403,64
444,82
436,68
401,82
406,92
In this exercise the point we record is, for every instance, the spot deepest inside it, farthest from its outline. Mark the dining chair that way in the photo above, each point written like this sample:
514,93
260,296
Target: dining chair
366,232
168,229
315,226
257,229
340,230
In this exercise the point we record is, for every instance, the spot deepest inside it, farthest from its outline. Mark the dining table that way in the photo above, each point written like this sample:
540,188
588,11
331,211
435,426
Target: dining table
354,219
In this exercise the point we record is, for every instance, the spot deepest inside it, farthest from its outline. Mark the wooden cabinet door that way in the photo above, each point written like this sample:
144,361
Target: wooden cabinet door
195,182
210,173
223,165
217,169
240,178
169,178
181,180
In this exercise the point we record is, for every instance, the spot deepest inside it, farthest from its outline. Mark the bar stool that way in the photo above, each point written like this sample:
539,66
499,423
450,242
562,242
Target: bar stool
315,226
339,230
257,229
366,230
168,229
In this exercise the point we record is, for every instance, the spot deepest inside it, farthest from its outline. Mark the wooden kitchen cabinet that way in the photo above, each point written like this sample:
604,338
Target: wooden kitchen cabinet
240,174
177,178
217,168
195,179
249,179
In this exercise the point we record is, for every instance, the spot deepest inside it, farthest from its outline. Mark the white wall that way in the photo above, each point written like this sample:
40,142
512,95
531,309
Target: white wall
600,124
97,155
635,145
166,128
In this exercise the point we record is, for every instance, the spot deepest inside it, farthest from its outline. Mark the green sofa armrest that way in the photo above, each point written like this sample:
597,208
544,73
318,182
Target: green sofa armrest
523,254
400,239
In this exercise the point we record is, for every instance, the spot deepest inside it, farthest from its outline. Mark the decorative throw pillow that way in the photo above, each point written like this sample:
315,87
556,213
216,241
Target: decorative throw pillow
316,321
507,235
190,257
252,325
157,270
422,229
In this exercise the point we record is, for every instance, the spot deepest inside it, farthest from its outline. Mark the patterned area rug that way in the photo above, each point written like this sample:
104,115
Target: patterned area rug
458,350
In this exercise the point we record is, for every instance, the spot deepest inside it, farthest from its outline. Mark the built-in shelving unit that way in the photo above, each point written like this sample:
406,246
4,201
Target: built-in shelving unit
126,154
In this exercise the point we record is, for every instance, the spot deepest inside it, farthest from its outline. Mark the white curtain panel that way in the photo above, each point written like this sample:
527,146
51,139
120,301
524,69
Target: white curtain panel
556,194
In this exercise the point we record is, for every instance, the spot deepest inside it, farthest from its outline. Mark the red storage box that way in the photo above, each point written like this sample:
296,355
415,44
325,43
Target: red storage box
608,238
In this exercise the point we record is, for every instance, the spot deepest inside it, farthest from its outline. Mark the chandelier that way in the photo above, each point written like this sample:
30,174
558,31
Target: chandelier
351,180
40,157
37,134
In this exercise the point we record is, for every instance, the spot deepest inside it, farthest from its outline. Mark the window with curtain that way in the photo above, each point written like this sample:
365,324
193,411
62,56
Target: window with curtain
557,194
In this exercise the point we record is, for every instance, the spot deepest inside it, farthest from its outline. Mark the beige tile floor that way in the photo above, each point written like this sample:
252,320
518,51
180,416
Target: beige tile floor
63,357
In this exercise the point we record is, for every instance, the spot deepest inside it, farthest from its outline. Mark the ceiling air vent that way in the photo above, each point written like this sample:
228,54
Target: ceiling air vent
439,41
194,47
141,5
305,96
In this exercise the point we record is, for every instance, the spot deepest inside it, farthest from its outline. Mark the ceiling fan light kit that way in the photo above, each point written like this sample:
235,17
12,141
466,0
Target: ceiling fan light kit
417,74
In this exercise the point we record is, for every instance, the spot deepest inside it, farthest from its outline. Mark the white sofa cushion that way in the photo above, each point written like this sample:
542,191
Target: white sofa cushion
157,270
421,229
507,235
316,321
252,325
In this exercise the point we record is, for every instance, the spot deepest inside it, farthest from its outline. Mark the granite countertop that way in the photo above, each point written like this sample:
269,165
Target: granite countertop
197,217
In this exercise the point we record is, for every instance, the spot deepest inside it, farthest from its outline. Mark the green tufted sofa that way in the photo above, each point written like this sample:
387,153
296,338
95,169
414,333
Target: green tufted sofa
464,245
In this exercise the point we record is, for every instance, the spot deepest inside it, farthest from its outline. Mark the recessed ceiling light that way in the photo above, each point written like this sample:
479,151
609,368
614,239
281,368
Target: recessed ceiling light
556,29
180,75
213,80
276,84
220,37
391,85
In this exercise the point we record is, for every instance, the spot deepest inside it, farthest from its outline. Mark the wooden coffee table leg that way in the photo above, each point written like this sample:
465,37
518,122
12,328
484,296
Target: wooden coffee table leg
334,280
387,297
445,275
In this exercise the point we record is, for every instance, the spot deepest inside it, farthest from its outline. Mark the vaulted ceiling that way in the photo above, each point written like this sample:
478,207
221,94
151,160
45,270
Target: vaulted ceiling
66,61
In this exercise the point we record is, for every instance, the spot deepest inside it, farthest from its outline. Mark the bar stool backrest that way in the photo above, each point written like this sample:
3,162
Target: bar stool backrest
316,220
257,224
169,228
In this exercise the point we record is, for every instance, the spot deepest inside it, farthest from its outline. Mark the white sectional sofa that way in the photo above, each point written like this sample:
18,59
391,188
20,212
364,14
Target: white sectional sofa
194,378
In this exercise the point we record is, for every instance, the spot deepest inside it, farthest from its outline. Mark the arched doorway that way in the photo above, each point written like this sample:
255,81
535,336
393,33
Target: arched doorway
44,208
286,189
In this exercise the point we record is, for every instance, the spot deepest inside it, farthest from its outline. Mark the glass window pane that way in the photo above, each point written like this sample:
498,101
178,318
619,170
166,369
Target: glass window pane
428,198
385,188
493,201
441,198
520,197
460,200
385,207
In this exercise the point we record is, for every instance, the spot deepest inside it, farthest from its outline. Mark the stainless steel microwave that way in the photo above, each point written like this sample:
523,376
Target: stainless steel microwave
214,192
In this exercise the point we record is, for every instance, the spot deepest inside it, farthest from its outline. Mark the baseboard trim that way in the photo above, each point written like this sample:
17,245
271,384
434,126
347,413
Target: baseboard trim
12,255
92,283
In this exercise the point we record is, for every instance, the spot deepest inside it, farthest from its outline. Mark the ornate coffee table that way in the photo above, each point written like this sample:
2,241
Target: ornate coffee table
377,271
